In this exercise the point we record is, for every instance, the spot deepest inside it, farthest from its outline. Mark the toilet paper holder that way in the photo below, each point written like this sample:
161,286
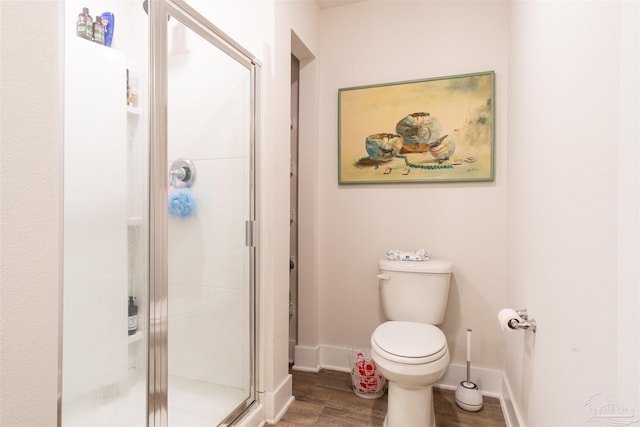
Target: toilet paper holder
526,323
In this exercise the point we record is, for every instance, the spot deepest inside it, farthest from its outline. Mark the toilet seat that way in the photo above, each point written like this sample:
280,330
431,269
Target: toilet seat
410,343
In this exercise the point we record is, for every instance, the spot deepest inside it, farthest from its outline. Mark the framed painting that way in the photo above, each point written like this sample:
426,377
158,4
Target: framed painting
432,130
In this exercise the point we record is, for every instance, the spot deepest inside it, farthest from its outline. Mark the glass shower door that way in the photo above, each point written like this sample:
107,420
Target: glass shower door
210,215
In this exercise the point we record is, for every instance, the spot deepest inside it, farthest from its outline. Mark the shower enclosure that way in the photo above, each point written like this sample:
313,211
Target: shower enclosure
158,318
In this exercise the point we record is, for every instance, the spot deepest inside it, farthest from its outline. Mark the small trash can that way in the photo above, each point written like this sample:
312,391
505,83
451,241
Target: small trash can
367,382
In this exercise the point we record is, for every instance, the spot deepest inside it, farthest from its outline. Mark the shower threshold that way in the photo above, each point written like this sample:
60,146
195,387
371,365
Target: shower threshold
191,402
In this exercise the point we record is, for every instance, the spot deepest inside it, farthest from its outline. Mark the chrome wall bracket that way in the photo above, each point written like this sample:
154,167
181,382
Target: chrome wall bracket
526,323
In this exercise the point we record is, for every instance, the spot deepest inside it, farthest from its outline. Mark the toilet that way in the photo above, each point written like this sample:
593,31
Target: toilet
409,349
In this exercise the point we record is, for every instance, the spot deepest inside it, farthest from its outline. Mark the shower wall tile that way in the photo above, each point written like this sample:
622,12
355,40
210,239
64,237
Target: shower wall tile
209,278
207,117
208,334
95,219
208,248
208,269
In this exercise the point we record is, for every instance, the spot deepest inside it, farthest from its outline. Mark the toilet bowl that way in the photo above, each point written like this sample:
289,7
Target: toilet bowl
412,356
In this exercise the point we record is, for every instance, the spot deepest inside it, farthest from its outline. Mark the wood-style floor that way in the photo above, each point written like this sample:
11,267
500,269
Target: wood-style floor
326,399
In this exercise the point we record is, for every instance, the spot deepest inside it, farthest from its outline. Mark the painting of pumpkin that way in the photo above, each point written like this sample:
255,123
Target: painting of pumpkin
443,148
383,147
418,130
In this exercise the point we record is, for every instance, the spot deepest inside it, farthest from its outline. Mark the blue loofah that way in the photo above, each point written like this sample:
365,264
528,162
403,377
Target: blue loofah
181,203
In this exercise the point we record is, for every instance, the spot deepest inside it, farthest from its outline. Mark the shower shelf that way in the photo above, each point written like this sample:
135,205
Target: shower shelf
135,337
134,220
133,110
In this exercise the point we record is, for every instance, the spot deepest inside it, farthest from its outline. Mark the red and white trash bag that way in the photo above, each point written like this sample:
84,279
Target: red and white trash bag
366,380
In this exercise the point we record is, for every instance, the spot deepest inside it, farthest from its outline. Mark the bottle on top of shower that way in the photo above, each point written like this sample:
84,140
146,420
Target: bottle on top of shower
133,316
132,89
98,30
84,25
108,23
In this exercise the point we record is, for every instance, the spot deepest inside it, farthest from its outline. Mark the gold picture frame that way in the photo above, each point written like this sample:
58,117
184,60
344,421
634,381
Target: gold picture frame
431,130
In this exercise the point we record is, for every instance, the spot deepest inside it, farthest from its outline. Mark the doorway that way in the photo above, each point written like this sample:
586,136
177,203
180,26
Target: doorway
293,209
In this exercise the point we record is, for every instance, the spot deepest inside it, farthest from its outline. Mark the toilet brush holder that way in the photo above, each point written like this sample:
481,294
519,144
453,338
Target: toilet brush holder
468,396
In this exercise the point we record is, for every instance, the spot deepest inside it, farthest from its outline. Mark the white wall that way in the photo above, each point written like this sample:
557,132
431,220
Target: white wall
628,354
379,42
573,208
301,18
31,172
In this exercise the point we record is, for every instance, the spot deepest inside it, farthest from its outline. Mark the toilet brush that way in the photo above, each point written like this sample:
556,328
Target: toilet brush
468,395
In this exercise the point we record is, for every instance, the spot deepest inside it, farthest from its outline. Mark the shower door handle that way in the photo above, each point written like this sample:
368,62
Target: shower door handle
249,233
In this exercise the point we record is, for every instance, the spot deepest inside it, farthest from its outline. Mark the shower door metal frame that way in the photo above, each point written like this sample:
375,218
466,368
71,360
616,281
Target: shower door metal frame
157,381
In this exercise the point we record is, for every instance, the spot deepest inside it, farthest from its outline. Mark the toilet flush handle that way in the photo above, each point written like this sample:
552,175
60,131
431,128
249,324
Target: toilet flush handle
384,276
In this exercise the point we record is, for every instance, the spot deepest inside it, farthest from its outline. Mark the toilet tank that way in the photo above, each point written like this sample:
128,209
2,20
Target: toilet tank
414,291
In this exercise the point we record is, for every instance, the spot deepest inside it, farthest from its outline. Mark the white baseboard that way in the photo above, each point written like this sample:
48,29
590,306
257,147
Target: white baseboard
335,358
512,416
489,381
307,359
274,405
492,382
278,401
312,359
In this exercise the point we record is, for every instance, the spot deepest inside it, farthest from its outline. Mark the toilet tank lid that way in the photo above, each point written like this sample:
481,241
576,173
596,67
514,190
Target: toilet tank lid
431,266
